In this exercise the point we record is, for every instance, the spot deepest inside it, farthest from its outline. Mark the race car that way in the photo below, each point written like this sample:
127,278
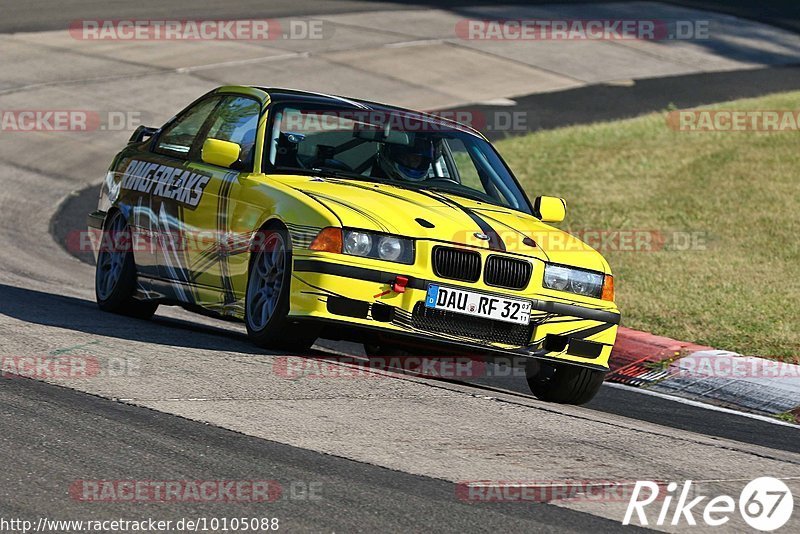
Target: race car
307,215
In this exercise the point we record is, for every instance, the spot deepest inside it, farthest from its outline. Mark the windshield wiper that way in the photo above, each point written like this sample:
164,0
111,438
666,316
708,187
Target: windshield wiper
338,173
459,193
322,172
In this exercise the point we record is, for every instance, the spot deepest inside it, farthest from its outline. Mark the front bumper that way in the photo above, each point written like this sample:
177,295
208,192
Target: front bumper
344,292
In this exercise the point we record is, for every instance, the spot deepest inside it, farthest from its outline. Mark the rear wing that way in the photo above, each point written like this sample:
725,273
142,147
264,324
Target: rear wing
141,133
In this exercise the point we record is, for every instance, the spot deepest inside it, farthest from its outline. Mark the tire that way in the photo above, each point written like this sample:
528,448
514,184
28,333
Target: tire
268,292
115,273
565,384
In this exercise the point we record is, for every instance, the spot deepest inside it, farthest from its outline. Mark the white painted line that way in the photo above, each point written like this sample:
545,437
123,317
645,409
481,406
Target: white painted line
620,83
236,62
158,71
408,44
703,405
20,88
680,400
498,102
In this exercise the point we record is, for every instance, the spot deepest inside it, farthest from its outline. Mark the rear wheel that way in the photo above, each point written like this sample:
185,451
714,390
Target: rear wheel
268,292
115,274
563,383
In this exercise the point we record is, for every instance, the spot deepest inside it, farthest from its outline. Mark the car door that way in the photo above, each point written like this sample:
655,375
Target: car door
162,173
199,267
145,177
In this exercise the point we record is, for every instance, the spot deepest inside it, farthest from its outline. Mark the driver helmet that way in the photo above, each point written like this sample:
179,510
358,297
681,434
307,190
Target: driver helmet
407,162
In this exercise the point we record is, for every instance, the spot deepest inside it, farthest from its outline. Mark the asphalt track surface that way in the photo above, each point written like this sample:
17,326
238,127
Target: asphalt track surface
53,436
28,16
319,492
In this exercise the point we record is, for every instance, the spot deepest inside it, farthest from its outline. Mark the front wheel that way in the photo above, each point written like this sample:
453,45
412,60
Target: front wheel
115,273
268,292
564,383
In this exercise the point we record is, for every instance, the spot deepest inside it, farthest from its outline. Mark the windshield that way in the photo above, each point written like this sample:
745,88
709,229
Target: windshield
402,148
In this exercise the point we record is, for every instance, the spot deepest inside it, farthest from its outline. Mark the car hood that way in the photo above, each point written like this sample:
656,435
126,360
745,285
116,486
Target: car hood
444,217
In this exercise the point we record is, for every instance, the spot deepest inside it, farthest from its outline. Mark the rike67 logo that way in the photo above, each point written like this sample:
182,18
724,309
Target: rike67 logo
765,504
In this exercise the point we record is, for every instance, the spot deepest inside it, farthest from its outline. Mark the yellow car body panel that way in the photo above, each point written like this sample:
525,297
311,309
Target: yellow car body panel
212,272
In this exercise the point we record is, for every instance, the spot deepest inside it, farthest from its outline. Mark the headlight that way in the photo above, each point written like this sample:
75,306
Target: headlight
556,277
390,248
357,243
578,281
380,247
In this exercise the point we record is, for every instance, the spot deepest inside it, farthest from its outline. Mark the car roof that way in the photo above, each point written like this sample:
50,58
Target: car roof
294,95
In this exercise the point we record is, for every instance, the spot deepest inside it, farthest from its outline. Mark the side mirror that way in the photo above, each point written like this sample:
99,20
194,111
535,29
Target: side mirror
220,153
550,209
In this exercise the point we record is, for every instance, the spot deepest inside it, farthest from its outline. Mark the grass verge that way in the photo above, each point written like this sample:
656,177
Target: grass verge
736,194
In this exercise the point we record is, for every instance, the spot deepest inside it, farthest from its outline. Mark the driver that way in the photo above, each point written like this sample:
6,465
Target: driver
406,162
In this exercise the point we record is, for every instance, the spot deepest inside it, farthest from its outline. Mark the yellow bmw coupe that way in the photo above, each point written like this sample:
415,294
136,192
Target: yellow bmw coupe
307,215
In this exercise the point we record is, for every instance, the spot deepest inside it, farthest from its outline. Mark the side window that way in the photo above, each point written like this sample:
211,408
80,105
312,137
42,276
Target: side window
179,136
236,120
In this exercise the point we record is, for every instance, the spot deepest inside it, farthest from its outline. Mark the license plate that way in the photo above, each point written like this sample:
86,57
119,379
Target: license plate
478,304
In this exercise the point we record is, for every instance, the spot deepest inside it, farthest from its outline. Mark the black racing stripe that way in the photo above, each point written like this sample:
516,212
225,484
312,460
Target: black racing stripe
495,241
439,198
588,332
326,292
183,268
524,236
572,310
321,203
538,342
222,229
317,294
198,268
364,213
497,221
390,194
358,273
564,320
302,227
387,277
